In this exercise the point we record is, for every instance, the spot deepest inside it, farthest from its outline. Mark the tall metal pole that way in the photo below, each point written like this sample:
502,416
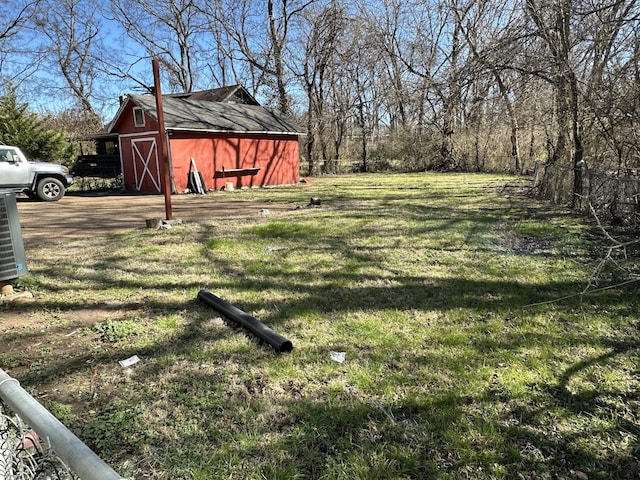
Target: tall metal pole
162,143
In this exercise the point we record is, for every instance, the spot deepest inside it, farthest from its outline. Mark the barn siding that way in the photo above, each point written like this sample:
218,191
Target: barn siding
182,151
276,156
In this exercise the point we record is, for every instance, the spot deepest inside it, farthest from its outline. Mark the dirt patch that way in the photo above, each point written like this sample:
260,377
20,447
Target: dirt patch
80,216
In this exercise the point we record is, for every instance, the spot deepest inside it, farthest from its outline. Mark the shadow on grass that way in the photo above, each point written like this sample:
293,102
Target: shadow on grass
342,292
429,435
591,430
438,435
434,422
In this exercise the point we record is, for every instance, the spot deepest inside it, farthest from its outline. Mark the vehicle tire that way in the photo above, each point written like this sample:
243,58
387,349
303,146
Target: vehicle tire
50,189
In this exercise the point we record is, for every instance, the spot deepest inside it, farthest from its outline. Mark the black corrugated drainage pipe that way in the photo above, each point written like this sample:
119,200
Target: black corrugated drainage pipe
255,326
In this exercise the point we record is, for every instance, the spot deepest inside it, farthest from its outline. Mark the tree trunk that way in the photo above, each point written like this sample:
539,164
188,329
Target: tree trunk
277,43
567,153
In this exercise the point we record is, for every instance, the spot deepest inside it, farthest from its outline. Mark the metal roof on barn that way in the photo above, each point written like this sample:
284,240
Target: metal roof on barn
188,114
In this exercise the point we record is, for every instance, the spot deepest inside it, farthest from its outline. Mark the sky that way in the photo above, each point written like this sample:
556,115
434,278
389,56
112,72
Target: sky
44,89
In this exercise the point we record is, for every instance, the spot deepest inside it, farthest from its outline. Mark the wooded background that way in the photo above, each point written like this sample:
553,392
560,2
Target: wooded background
474,85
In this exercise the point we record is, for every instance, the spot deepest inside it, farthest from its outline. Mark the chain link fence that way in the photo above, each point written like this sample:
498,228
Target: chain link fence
23,456
615,198
34,444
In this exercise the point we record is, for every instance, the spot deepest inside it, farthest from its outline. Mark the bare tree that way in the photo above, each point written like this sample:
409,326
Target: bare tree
552,20
222,60
171,30
343,85
318,59
368,99
379,88
261,34
385,25
580,43
432,50
16,41
482,23
72,33
610,90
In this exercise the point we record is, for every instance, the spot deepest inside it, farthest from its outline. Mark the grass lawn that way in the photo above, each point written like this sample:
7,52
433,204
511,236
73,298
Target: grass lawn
427,283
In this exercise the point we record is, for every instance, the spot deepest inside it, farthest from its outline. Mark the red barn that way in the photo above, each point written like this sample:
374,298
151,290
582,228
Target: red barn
242,143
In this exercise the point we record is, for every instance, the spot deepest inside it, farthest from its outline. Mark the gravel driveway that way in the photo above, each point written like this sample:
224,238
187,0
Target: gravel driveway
77,216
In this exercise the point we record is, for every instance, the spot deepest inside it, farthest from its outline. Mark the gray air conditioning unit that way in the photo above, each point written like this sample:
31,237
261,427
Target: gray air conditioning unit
13,262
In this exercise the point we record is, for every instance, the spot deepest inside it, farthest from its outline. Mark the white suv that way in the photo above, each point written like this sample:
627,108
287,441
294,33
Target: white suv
43,180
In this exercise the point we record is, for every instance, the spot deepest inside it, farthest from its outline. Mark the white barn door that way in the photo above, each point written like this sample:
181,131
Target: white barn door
146,166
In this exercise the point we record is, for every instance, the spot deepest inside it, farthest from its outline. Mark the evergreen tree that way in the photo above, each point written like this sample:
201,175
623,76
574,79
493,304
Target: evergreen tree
24,129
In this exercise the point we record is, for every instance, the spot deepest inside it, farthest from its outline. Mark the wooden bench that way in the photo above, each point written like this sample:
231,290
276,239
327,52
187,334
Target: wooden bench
235,172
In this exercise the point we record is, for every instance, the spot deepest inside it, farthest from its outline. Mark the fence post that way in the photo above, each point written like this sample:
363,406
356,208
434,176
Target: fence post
536,173
72,451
